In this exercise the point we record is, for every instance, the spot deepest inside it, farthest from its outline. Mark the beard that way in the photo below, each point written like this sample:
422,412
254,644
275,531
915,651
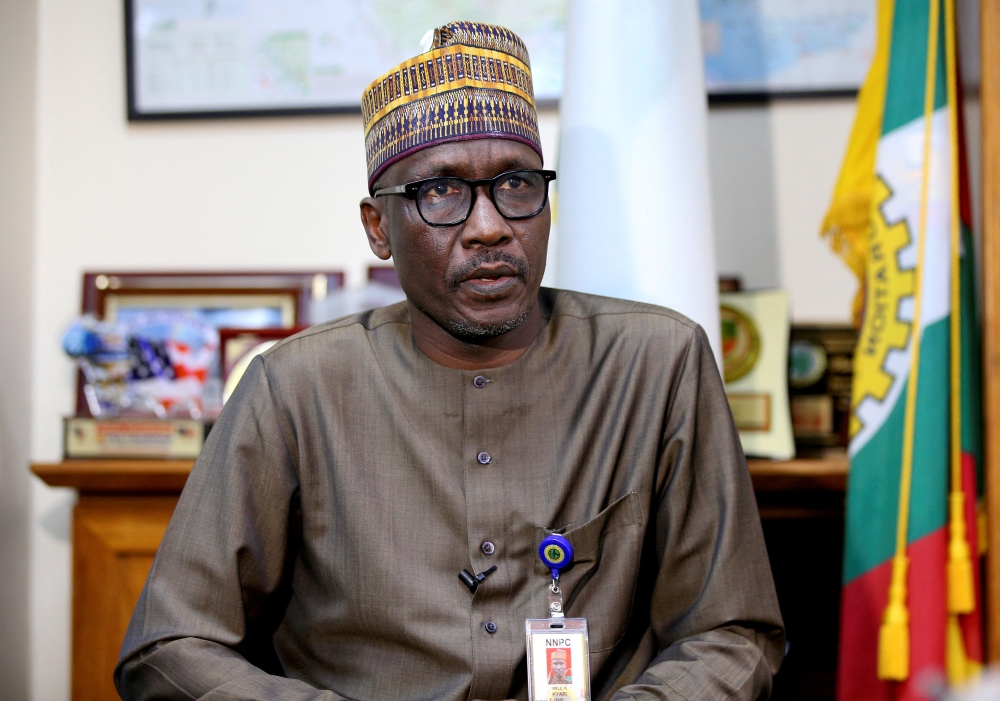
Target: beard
471,331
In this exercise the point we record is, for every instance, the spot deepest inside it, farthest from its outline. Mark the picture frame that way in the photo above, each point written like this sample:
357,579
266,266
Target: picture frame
235,343
237,347
272,58
289,292
205,60
756,51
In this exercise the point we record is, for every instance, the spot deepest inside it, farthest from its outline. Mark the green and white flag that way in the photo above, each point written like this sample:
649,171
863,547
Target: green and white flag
910,602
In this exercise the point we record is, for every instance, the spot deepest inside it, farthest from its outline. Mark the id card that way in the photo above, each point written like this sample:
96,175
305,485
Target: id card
558,659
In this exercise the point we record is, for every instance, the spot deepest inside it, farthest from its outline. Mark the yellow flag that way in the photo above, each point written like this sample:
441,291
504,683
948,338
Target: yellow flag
848,221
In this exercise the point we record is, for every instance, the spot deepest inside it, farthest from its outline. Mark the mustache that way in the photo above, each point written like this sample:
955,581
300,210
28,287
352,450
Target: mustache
485,257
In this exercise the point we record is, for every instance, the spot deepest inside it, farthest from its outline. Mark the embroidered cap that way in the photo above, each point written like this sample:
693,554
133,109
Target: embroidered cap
473,83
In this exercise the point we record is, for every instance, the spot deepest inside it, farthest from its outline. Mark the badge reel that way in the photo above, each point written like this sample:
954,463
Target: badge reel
558,649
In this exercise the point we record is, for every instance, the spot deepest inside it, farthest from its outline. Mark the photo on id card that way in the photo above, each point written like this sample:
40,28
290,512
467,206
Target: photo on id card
558,660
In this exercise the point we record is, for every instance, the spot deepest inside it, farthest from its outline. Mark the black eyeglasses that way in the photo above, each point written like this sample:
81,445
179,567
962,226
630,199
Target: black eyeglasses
517,194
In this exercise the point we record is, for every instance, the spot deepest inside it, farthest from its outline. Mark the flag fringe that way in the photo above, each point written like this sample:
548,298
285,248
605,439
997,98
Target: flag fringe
894,635
959,666
961,592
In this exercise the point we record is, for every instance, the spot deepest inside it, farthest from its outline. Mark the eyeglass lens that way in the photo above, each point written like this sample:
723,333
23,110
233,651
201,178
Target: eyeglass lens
517,195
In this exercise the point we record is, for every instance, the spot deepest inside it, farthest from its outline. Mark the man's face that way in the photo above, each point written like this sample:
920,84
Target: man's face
559,668
478,279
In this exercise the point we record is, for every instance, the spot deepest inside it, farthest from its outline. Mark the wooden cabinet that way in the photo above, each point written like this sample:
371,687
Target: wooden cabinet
114,541
118,523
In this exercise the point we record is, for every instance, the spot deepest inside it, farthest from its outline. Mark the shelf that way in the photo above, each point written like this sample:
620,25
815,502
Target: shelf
116,475
825,473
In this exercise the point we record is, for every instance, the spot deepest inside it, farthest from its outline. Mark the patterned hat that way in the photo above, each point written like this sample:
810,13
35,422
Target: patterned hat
559,654
473,83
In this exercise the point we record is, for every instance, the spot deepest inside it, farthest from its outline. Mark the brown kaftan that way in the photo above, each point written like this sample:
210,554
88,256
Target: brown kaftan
350,479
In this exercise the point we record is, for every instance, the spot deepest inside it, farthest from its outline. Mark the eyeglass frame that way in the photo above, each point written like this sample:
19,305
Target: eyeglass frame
409,191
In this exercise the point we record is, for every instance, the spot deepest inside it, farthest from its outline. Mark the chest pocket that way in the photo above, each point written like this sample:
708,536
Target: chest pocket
600,583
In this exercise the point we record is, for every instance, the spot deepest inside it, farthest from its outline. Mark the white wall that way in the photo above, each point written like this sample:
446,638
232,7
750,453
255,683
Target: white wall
275,193
18,44
773,171
810,141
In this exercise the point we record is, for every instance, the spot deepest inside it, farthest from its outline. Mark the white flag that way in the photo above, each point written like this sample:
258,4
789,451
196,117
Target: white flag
635,216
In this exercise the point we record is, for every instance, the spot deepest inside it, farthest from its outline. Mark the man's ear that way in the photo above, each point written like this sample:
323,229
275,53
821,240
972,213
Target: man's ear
376,226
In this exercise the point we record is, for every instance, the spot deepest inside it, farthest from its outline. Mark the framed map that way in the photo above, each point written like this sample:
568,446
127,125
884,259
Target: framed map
190,58
756,48
219,58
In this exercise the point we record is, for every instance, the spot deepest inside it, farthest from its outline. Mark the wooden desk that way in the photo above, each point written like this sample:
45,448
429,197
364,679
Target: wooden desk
125,506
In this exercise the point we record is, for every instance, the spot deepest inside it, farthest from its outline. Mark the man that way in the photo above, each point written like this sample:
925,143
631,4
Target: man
557,669
364,463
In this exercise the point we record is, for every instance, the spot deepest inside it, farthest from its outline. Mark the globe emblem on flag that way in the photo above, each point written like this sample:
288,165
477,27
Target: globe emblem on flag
740,343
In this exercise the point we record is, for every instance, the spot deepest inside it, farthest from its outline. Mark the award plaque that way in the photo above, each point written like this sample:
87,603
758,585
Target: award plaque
820,374
755,368
86,437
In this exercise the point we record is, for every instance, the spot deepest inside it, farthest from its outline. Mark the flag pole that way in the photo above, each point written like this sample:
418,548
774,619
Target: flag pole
961,590
894,635
961,594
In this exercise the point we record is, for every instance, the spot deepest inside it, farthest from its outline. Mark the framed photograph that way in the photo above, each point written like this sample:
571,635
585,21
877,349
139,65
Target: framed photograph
280,301
205,58
238,347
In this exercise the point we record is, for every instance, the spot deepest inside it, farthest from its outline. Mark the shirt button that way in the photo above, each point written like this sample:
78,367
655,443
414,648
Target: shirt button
488,548
490,627
483,458
479,381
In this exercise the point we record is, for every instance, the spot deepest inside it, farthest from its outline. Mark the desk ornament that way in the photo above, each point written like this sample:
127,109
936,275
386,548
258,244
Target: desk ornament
557,647
145,386
155,364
